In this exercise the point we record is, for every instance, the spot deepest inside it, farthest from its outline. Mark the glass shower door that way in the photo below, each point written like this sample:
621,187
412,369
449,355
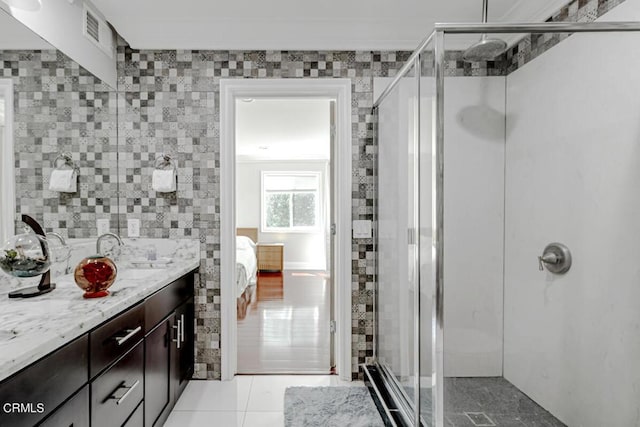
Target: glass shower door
398,294
427,327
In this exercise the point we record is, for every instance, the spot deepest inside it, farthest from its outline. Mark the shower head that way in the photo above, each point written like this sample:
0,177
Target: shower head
486,49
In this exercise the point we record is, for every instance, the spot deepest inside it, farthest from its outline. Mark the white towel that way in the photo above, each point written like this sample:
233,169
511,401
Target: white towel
63,181
164,180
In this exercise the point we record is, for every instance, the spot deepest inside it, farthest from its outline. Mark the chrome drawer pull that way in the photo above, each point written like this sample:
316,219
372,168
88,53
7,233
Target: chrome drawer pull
122,398
182,328
178,339
129,333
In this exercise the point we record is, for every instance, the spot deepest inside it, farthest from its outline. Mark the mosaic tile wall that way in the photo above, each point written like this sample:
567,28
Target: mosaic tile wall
60,107
170,104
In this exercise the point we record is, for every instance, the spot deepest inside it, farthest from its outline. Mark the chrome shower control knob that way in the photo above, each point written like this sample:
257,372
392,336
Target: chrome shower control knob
547,258
556,258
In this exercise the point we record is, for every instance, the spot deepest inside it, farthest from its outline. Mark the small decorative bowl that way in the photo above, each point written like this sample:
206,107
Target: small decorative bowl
94,275
25,255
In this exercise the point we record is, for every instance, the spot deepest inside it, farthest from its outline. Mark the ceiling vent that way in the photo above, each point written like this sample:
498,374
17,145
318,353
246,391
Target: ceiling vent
97,31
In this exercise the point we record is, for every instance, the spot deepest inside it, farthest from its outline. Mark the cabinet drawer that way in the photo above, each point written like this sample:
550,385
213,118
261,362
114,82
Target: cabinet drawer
119,390
163,302
113,339
136,419
48,382
74,413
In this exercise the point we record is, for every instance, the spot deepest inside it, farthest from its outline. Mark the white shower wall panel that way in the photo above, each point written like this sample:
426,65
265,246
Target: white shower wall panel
572,342
473,229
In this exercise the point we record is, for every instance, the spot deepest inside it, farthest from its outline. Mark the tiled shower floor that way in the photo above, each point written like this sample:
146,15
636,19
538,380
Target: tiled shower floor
490,401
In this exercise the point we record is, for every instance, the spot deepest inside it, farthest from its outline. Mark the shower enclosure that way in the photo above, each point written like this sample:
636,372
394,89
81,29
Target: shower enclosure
481,165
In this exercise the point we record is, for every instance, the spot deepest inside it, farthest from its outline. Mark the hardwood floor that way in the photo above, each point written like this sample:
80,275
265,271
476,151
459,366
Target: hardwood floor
286,327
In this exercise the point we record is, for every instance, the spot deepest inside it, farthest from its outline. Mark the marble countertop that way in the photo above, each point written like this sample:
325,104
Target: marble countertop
34,327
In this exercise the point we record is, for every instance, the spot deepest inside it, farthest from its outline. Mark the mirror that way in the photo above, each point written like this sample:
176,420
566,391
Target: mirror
73,27
51,106
7,187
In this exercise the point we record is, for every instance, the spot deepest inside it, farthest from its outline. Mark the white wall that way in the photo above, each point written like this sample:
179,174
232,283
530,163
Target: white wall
60,23
473,229
572,342
302,251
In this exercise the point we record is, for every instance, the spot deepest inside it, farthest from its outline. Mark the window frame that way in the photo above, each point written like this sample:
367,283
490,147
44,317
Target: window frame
291,229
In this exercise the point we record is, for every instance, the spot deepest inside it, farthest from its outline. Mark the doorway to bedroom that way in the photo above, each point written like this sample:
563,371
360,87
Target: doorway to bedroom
283,238
295,197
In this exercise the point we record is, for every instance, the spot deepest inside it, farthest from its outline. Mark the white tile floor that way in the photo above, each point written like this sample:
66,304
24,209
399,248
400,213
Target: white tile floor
247,401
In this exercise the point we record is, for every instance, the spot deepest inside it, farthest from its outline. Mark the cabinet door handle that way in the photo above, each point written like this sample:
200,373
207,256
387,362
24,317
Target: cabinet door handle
121,399
178,338
128,334
182,328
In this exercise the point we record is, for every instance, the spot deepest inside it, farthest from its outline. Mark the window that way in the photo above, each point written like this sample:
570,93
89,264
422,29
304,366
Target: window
290,201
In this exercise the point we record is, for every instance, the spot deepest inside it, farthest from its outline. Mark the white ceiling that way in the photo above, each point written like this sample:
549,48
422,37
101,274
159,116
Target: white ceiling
302,24
282,129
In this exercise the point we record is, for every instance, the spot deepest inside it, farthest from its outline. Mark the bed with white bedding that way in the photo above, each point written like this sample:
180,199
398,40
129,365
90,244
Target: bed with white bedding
246,264
246,268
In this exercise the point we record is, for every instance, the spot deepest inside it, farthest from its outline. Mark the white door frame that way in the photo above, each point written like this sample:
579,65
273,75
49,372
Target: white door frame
7,179
340,90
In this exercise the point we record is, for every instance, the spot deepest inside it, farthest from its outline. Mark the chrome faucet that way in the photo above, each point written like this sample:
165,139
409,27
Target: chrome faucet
105,235
63,254
59,236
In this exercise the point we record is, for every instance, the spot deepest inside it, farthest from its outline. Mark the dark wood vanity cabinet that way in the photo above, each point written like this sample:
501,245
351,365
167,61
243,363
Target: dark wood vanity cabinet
185,318
127,372
169,351
74,413
137,418
45,385
114,338
157,374
116,393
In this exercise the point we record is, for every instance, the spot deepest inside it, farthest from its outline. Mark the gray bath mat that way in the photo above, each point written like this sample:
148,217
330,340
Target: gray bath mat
330,407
